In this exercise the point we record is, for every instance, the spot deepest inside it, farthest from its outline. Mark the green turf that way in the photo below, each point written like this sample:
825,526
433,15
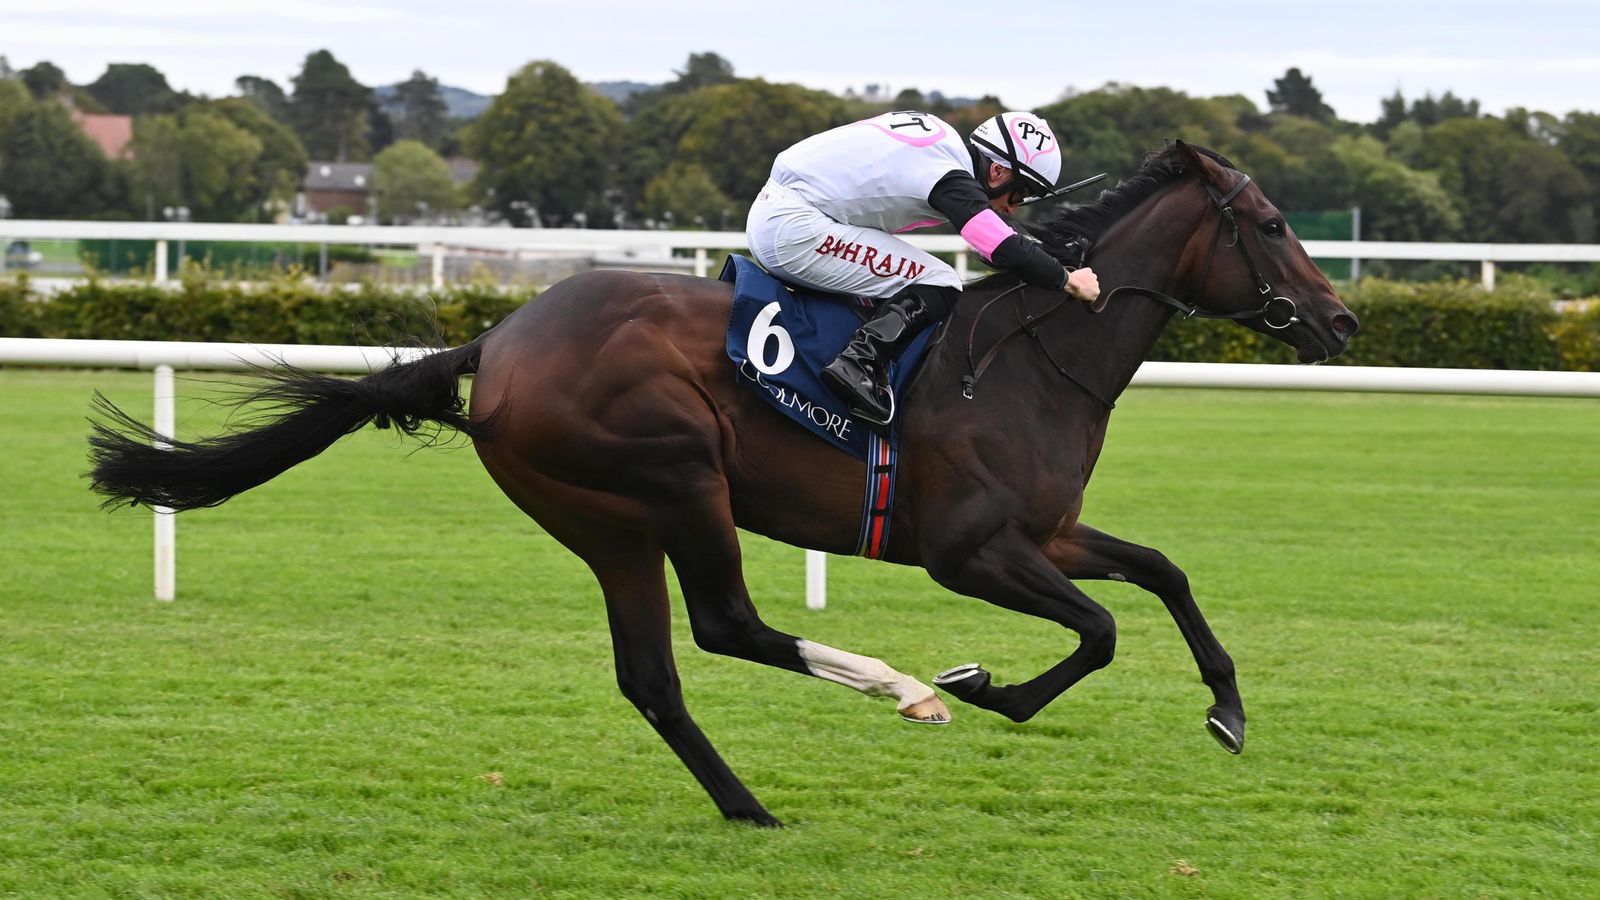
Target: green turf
379,679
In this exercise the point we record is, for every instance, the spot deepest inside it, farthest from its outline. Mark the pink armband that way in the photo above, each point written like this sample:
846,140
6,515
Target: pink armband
985,231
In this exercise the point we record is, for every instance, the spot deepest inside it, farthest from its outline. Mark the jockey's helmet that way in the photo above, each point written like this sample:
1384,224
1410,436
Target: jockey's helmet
1023,143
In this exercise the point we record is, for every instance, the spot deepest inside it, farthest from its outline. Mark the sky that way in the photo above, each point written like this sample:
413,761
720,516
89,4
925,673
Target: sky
1540,54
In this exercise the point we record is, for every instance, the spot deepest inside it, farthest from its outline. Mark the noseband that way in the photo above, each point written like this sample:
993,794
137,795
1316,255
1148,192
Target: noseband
1224,204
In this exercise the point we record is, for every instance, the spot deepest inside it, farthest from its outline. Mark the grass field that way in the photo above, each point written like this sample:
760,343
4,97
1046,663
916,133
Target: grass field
379,679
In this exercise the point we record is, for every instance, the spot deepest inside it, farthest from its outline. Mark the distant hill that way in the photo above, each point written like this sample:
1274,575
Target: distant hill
620,91
462,103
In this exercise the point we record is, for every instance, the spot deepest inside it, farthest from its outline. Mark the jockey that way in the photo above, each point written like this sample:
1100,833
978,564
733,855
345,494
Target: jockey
828,216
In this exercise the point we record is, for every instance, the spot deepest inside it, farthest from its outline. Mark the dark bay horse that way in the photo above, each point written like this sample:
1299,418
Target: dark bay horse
607,411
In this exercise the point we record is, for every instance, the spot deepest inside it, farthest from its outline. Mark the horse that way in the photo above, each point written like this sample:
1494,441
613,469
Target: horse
607,411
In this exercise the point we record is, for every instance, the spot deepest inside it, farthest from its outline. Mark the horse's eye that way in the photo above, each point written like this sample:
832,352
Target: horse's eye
1272,227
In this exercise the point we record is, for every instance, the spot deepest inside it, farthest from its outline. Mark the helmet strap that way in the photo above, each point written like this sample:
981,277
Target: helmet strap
980,164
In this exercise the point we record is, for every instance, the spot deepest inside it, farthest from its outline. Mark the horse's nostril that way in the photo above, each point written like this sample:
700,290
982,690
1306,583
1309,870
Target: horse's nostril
1345,324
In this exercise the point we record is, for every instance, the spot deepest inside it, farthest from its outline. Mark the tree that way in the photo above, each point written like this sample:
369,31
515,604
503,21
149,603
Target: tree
1579,141
14,98
910,98
380,128
44,79
702,70
1110,129
157,167
198,159
733,131
1405,144
1298,166
1426,112
277,171
329,109
1397,203
134,89
1392,112
1509,187
967,118
423,114
1429,111
412,181
687,192
265,94
546,140
50,169
1295,95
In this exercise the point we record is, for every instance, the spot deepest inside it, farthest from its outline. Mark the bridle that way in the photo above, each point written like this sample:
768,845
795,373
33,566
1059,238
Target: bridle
1029,324
1224,204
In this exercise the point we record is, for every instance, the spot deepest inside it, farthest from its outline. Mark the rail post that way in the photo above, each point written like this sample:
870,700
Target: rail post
816,579
166,519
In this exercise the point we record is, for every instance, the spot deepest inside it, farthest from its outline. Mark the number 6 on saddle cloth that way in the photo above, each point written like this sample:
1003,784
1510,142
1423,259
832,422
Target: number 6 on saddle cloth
779,338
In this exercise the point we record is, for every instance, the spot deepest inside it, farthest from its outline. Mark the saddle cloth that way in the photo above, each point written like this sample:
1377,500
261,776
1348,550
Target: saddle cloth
779,338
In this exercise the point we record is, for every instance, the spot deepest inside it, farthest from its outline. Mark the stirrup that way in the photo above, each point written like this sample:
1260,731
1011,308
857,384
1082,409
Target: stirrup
871,417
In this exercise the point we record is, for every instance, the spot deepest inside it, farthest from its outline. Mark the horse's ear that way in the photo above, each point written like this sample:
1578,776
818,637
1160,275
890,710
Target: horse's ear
1204,167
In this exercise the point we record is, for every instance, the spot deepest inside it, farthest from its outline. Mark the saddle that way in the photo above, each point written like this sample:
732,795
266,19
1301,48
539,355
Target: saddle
780,336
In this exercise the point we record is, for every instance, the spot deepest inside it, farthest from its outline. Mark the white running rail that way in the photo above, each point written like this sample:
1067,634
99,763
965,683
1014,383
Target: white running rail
166,356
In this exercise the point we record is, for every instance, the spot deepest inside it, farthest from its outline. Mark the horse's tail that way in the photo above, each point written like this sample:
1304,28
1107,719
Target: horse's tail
132,464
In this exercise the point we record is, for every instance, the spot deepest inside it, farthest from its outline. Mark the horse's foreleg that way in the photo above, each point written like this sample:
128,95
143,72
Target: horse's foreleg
1086,553
632,577
1010,572
704,548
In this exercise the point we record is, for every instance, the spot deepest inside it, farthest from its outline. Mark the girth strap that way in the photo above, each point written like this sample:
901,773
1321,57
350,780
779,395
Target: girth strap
881,460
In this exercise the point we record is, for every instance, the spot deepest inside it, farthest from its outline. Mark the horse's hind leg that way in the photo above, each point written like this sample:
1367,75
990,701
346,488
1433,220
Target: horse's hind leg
704,547
1086,553
630,571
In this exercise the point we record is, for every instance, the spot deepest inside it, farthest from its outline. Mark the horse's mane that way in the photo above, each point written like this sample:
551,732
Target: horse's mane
1057,228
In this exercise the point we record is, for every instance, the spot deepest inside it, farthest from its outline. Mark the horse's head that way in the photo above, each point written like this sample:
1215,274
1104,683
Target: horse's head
1243,262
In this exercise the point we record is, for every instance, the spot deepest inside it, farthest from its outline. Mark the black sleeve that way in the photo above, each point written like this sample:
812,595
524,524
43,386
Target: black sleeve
958,198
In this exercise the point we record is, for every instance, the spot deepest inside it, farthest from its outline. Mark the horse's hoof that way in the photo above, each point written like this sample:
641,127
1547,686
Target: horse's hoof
928,711
758,817
1227,727
964,682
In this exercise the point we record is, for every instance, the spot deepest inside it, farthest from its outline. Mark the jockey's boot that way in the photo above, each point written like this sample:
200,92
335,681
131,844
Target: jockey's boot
860,373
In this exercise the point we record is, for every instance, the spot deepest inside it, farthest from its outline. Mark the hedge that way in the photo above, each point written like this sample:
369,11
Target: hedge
1519,325
1453,324
282,310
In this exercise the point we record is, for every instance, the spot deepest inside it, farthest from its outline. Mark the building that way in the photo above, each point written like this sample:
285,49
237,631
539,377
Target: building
331,185
111,133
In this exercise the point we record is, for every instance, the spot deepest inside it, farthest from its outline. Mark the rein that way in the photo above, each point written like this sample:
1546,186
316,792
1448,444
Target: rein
1028,324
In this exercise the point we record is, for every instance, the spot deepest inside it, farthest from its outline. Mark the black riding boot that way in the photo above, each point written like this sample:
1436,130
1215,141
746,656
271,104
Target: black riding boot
860,373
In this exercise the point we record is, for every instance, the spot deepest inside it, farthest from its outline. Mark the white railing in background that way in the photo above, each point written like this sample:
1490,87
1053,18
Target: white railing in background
436,242
164,357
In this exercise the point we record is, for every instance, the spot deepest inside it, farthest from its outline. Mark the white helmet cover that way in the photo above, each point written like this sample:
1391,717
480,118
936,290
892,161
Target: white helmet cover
1023,143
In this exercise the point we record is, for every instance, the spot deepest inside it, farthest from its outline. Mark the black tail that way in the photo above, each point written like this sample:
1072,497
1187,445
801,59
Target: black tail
309,413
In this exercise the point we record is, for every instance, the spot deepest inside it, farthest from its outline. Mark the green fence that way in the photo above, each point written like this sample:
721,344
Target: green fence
1327,225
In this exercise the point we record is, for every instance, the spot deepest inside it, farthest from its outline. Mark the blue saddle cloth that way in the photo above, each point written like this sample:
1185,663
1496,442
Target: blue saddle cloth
779,338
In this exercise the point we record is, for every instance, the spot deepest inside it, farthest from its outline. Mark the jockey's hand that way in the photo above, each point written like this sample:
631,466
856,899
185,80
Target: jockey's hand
1083,284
